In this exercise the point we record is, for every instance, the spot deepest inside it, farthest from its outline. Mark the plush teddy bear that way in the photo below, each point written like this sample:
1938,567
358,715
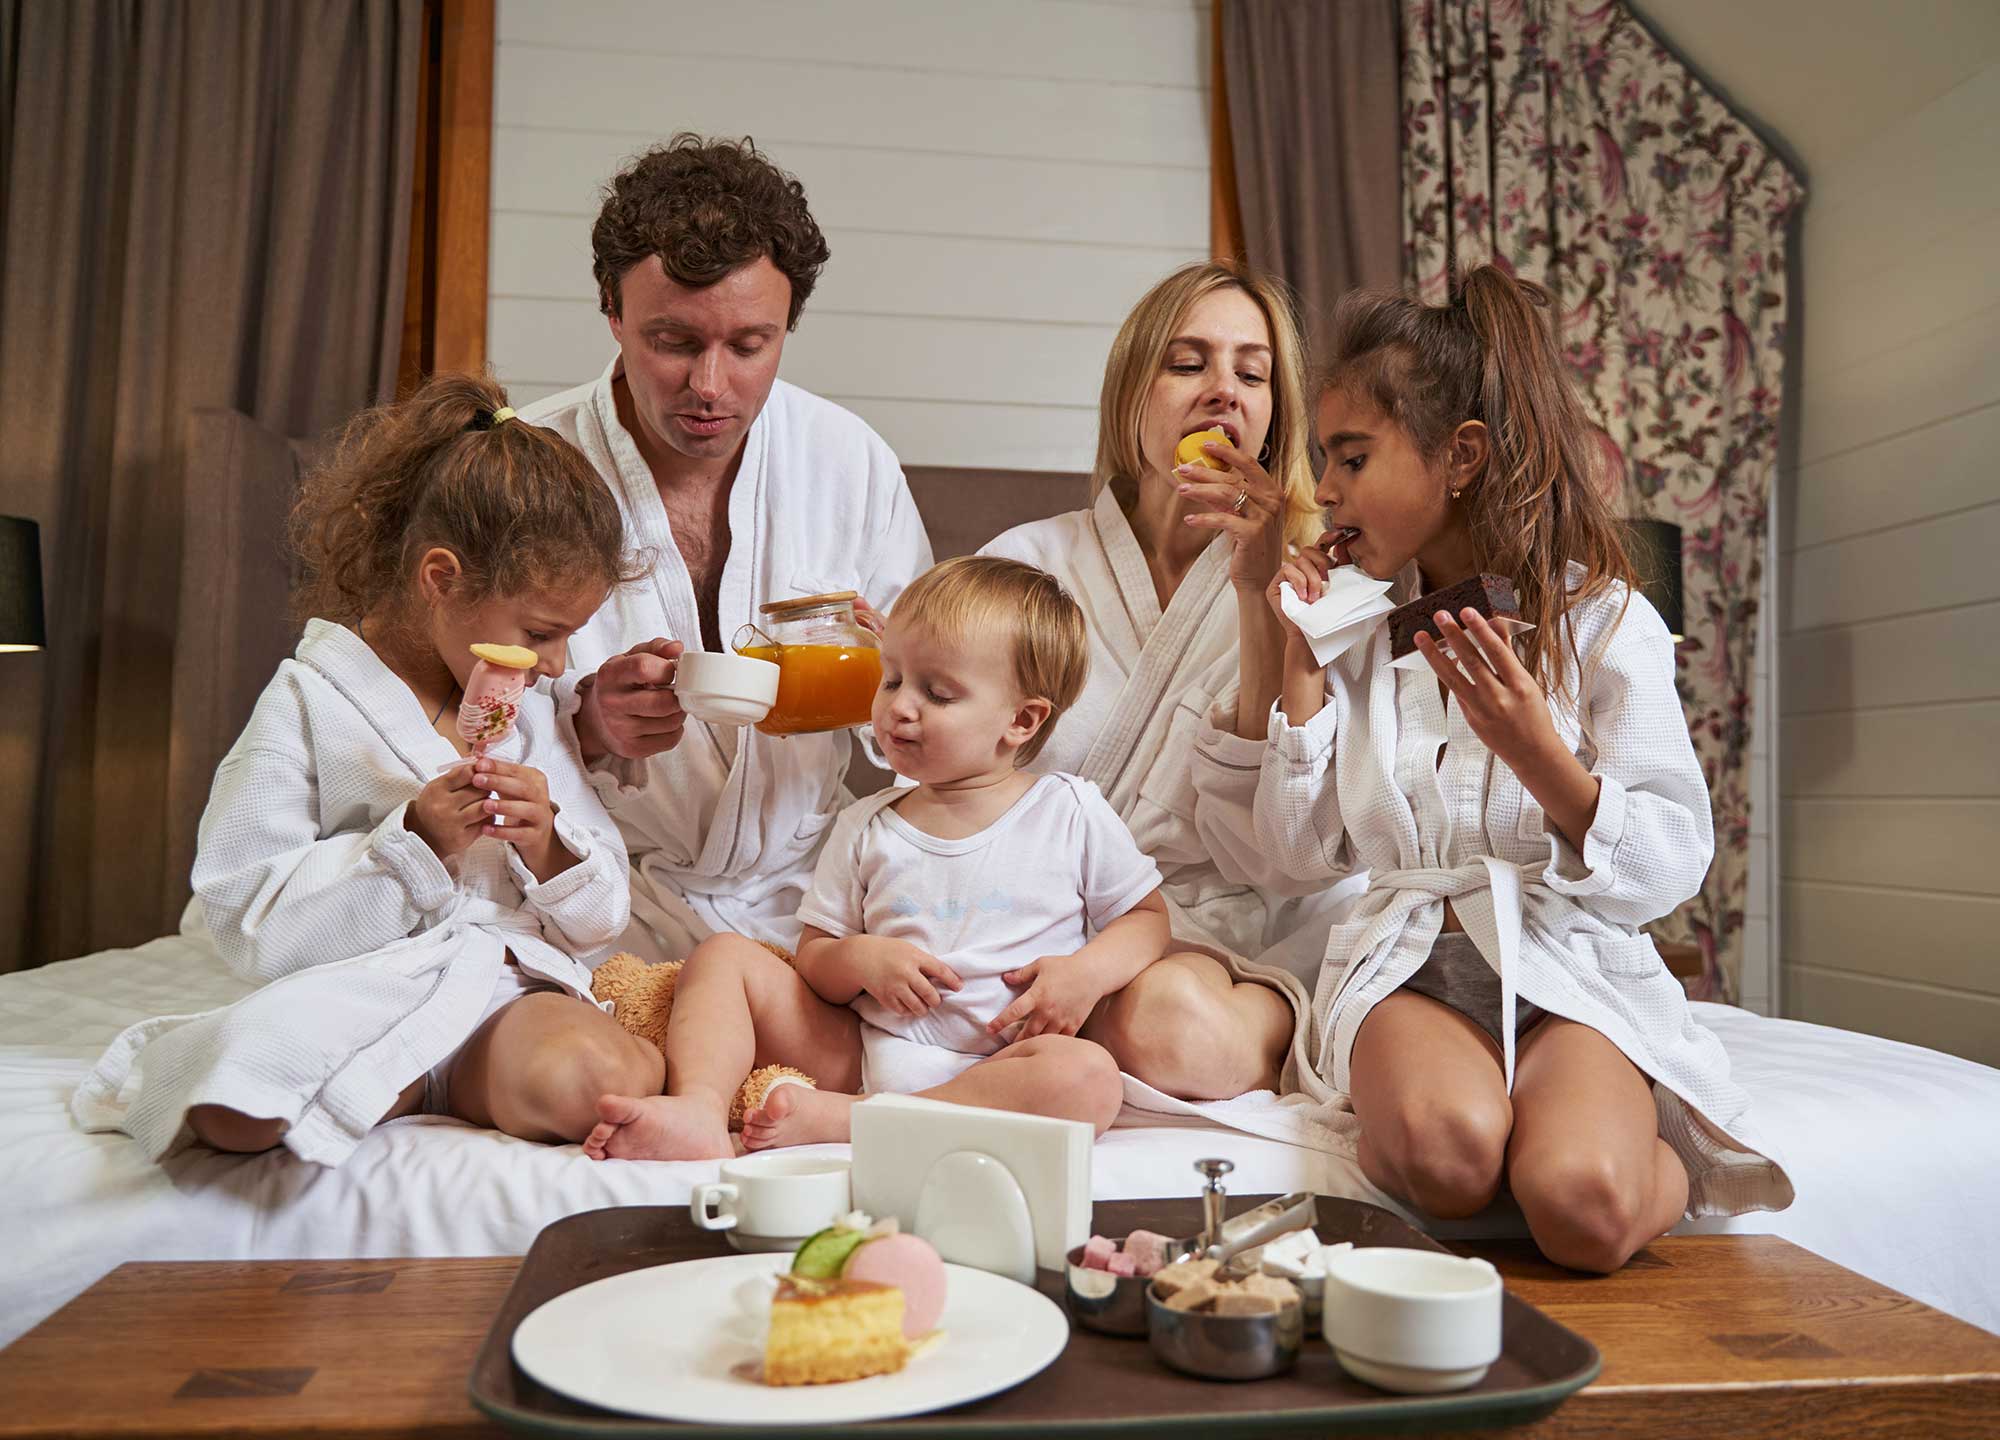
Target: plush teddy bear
642,997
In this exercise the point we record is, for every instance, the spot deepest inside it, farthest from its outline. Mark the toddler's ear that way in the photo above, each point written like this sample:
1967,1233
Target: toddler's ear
1029,717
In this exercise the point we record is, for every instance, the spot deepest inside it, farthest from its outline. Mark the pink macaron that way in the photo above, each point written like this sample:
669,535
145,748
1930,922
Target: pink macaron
912,1266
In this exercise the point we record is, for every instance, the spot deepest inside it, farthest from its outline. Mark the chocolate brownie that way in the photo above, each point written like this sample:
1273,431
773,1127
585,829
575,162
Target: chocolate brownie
1490,595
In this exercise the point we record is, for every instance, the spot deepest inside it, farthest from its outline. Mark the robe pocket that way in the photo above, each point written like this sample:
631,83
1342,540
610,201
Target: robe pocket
1169,780
1629,957
813,824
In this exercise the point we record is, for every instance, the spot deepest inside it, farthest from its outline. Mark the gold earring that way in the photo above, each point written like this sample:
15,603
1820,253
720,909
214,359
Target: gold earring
1456,493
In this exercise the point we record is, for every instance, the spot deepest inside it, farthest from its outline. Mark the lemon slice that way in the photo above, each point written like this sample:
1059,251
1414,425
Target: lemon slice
1189,451
512,657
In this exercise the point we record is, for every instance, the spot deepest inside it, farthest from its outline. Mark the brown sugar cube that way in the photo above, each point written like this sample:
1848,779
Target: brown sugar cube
1245,1302
1181,1274
1193,1296
1276,1287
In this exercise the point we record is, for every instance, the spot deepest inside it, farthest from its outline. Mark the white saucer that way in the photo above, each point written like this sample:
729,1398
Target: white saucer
673,1343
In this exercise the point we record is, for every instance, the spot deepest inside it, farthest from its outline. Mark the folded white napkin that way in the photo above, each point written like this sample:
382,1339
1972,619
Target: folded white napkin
1354,601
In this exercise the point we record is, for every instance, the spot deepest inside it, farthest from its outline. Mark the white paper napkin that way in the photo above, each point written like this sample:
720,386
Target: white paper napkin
1352,605
1415,659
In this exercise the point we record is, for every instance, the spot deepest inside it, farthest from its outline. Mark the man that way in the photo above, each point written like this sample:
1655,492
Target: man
737,489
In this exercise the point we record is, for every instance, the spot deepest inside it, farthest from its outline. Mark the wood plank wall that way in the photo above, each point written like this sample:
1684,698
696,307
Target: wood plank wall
998,183
1889,677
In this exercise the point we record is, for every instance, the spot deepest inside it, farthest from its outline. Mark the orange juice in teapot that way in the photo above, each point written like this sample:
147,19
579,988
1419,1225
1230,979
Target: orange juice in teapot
829,667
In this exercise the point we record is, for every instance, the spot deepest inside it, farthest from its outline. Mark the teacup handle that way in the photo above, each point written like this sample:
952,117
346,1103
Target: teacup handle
712,1193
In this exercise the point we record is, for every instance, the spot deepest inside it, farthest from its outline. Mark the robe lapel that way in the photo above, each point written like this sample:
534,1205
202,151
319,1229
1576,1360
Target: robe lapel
1114,763
380,699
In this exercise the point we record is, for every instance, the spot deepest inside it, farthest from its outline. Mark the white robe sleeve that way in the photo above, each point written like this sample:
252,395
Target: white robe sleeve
589,904
279,897
1227,769
1653,836
1296,813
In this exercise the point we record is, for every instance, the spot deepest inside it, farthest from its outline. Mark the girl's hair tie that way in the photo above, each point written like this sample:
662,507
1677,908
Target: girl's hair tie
487,419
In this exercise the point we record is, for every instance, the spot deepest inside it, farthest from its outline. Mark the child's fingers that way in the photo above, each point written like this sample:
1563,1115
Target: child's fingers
1012,1015
1492,645
938,972
1462,646
1024,976
514,787
518,812
1447,669
921,991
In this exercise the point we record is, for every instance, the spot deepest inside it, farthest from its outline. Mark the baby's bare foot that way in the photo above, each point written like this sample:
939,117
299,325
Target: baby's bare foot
798,1115
657,1127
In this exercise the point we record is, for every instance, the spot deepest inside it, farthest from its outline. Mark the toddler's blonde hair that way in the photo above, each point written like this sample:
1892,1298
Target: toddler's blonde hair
1051,648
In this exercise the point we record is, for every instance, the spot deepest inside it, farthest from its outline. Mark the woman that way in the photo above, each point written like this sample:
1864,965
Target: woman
1170,566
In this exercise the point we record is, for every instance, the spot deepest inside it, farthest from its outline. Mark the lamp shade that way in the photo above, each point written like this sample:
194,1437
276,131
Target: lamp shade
21,585
1655,548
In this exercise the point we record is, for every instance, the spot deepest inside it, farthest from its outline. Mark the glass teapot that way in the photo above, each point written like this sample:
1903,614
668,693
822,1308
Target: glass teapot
829,667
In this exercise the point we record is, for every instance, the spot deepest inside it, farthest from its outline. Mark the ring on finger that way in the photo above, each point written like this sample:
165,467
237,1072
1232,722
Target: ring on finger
1242,499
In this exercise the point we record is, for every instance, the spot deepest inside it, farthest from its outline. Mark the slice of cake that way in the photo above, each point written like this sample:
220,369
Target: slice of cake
1491,595
825,1331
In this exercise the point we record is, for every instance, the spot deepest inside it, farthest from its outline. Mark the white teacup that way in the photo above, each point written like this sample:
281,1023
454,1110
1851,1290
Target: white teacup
725,689
772,1202
1413,1321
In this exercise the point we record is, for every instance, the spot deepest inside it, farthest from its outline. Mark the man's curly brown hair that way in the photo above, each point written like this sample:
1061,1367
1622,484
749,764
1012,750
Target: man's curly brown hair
705,207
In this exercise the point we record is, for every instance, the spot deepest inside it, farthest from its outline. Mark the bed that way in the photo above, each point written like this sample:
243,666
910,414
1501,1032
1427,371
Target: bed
1898,1173
1895,1166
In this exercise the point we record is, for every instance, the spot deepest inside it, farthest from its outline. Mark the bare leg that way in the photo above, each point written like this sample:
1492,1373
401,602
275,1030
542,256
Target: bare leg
1244,1029
1586,1161
1429,1090
1057,1075
736,1006
536,1068
221,1128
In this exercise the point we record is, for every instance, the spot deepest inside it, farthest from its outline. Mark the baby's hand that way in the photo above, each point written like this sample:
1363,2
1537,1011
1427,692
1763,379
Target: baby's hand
906,978
1061,994
448,813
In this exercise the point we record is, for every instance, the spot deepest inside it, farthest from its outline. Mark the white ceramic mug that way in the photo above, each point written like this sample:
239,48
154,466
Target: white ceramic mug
772,1202
1412,1321
725,689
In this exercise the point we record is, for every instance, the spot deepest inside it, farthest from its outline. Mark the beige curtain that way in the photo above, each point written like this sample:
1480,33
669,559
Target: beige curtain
1313,121
202,204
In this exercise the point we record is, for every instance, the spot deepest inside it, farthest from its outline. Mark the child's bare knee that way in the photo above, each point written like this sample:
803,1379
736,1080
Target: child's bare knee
220,1128
1583,1212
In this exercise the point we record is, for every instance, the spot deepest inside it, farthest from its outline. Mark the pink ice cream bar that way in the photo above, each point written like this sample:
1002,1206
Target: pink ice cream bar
493,694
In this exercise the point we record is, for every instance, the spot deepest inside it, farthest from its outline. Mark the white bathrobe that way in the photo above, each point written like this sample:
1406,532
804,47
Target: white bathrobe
376,958
1149,731
1359,788
723,829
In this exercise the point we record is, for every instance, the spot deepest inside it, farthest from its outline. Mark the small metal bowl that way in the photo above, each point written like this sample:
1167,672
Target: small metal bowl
1101,1301
1225,1347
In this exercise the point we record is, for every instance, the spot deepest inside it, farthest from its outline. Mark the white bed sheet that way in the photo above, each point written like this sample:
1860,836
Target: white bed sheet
1894,1150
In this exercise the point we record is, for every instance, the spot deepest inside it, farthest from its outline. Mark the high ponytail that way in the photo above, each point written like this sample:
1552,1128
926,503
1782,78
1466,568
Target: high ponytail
1490,355
511,501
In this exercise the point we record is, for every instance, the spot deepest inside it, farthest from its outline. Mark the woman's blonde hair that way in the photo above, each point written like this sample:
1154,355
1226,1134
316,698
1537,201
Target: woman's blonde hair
1140,350
1490,354
1049,643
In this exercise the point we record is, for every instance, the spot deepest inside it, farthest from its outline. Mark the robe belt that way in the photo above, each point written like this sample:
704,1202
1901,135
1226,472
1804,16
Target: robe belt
1423,884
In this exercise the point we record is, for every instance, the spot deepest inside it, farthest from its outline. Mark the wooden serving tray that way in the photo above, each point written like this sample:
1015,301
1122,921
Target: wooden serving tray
1100,1384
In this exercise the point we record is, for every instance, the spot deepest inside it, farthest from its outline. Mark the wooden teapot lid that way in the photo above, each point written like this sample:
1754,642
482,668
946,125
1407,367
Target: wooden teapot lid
782,608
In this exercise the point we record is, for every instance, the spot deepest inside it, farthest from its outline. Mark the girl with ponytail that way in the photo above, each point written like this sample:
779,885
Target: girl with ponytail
1521,806
419,921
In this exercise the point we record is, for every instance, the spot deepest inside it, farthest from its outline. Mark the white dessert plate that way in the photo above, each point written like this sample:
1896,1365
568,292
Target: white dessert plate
682,1342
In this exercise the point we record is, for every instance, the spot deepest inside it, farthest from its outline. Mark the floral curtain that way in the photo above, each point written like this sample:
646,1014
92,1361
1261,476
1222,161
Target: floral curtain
1567,144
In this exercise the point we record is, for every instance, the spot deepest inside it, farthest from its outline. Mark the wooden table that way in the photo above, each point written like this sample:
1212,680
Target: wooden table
1714,1337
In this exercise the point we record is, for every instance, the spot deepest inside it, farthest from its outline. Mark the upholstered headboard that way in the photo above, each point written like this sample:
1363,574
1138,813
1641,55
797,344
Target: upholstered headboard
235,620
235,623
